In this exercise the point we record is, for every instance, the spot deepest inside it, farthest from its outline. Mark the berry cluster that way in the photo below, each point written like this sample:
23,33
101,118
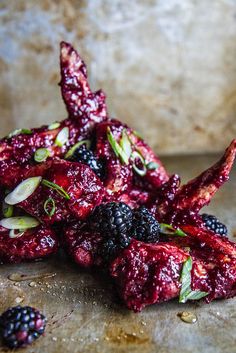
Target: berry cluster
21,326
118,224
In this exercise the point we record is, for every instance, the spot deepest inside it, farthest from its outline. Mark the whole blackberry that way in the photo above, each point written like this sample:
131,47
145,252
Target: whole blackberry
212,223
85,156
113,220
20,326
145,226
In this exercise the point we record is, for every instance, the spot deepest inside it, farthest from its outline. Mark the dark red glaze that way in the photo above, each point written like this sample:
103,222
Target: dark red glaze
82,245
34,244
82,104
144,273
180,205
78,181
150,273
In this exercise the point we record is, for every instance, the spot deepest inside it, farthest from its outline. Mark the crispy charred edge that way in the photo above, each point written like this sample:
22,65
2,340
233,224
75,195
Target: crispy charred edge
199,191
75,88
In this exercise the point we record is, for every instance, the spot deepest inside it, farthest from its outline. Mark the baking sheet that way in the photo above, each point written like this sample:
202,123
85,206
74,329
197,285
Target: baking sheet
85,315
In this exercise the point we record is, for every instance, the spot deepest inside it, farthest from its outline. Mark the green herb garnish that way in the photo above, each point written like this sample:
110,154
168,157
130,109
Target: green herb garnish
186,292
137,156
56,187
41,155
77,145
7,210
54,126
122,149
62,137
170,230
49,207
18,132
152,165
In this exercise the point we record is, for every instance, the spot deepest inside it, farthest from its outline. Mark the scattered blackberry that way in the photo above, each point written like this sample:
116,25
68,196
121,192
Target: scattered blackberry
20,326
145,226
83,155
212,223
113,220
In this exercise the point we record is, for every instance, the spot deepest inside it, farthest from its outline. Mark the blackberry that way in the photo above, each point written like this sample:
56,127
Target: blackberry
85,156
212,223
109,249
113,220
20,326
145,226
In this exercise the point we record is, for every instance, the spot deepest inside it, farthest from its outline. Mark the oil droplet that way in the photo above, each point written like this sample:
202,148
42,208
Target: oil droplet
188,317
33,284
19,300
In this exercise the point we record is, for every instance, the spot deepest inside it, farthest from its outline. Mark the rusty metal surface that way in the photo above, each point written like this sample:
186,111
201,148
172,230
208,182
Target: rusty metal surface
85,315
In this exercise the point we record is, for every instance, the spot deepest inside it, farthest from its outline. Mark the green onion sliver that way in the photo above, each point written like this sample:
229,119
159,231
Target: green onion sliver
125,143
49,207
170,230
136,155
41,155
118,150
56,187
23,190
7,210
18,132
152,165
15,233
54,126
186,292
71,151
62,137
19,222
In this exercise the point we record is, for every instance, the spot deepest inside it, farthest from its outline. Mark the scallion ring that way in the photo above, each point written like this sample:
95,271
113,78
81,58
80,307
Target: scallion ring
16,233
41,154
54,126
71,151
56,187
62,137
136,155
25,189
49,207
24,222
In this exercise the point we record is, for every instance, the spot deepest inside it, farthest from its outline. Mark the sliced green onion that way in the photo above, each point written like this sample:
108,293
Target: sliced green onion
137,133
118,150
77,145
56,187
19,222
7,210
186,293
137,155
18,132
169,230
41,155
54,126
16,233
62,137
152,165
23,190
49,207
125,144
